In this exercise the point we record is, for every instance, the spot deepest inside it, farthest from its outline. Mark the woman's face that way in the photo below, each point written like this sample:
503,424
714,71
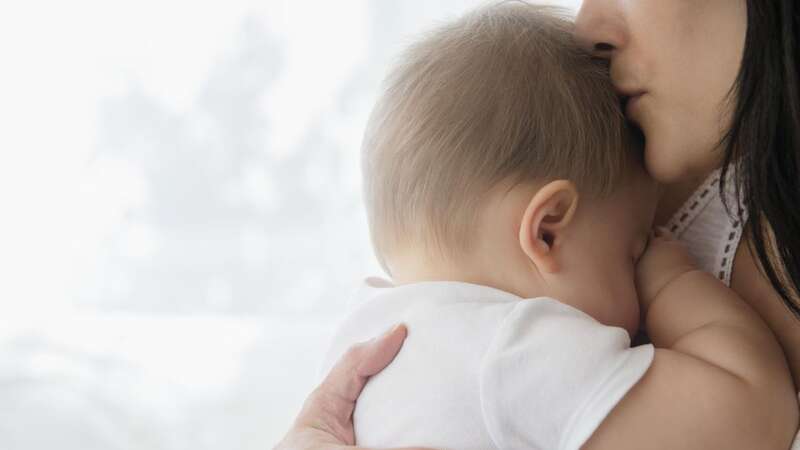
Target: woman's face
676,61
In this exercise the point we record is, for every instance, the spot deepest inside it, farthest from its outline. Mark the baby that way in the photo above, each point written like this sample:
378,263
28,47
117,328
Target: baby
507,202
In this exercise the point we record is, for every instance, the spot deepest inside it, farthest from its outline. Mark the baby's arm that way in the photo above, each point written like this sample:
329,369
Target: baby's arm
718,379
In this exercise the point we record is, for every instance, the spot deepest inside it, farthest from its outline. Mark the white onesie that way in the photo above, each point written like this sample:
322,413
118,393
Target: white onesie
485,369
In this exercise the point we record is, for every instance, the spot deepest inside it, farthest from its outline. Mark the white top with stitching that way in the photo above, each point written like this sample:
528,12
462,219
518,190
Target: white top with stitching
712,234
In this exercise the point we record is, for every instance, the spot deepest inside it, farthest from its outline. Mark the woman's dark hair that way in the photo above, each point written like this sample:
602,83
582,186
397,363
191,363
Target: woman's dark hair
763,144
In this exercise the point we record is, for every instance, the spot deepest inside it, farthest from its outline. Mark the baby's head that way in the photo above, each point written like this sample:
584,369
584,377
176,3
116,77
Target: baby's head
498,155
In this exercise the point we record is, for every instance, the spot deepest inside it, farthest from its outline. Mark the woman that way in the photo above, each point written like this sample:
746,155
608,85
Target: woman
714,86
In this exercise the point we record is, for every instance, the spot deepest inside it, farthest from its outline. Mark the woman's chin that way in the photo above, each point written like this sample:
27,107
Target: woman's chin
677,152
674,161
662,167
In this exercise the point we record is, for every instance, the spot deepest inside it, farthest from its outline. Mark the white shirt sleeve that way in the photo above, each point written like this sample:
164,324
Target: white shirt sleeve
553,373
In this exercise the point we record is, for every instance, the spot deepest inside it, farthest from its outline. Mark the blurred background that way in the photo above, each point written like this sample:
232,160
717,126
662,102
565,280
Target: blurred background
181,215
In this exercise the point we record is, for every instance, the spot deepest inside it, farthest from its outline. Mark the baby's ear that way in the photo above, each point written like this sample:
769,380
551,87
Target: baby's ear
548,214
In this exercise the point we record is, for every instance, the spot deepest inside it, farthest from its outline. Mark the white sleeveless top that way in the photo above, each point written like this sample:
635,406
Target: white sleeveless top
710,233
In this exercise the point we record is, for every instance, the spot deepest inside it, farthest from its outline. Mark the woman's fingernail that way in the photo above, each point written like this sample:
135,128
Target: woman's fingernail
394,328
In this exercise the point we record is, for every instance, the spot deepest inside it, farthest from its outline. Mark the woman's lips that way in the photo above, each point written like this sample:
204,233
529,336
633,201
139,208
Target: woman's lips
628,94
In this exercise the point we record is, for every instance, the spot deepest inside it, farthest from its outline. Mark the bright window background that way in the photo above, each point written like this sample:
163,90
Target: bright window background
181,214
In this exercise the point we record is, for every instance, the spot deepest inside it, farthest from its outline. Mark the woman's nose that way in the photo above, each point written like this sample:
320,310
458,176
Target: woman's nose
599,27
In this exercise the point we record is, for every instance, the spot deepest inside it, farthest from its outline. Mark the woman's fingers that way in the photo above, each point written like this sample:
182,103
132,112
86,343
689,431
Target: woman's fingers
382,350
348,377
327,415
326,421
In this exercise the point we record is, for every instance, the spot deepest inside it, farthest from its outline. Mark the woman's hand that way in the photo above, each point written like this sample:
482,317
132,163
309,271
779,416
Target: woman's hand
326,420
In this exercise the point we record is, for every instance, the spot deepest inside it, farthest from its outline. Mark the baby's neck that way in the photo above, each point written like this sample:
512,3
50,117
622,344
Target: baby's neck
486,271
408,269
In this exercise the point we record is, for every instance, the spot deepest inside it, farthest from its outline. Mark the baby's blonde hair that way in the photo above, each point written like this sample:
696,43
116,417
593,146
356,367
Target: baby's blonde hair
503,93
